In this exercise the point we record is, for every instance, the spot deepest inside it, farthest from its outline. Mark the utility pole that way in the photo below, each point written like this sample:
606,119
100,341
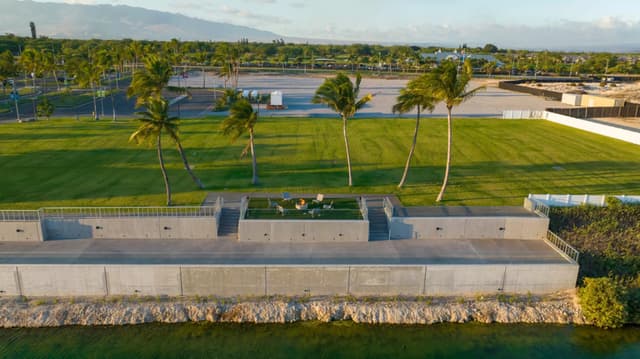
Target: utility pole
16,96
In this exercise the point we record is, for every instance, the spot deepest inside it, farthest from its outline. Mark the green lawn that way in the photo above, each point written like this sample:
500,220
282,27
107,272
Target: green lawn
337,208
495,162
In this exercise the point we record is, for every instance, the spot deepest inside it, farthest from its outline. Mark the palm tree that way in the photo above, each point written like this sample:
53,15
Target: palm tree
341,95
150,81
242,119
147,85
88,75
448,85
154,121
31,62
418,97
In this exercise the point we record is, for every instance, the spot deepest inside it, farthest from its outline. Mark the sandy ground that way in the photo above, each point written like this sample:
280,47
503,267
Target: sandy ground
631,122
299,89
627,91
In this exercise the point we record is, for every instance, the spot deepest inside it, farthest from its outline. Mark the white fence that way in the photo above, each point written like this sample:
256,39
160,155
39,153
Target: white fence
523,115
585,125
569,200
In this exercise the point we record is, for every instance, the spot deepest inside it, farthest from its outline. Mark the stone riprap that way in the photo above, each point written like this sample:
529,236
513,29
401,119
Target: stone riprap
562,309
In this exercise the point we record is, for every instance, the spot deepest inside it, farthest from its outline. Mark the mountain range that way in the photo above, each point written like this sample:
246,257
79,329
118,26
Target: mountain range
58,20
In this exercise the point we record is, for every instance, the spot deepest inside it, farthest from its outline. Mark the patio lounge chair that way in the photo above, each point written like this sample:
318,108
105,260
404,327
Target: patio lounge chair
286,196
319,198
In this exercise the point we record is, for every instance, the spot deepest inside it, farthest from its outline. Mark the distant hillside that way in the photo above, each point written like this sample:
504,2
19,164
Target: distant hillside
115,22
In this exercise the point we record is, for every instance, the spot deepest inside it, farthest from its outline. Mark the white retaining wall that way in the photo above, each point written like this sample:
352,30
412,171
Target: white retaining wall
303,230
259,280
585,125
594,127
534,228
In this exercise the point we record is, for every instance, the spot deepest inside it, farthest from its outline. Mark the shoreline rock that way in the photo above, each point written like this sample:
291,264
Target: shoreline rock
44,313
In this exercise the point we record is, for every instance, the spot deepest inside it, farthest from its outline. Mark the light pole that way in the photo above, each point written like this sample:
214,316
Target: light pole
15,96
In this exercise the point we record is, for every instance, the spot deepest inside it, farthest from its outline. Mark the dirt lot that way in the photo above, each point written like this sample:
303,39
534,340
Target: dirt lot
629,91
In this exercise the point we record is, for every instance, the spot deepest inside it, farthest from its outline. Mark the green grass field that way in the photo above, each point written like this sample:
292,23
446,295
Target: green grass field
340,208
495,162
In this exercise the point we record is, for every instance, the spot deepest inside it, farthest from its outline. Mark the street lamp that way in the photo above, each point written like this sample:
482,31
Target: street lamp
15,96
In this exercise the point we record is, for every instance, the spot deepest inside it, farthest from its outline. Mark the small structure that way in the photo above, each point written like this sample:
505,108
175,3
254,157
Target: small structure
276,102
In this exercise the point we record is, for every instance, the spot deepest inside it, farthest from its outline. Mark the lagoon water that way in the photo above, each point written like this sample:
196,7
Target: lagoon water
320,340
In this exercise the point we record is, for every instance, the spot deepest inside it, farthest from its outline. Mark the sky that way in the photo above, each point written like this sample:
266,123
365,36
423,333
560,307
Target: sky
519,23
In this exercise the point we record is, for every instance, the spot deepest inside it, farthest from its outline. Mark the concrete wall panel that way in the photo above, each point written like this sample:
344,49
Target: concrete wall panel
144,280
382,280
540,279
316,280
526,228
287,231
223,280
20,231
132,228
303,231
479,228
8,281
62,280
254,230
464,279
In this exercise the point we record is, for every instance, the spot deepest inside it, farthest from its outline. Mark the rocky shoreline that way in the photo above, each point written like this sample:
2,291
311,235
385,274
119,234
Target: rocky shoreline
561,309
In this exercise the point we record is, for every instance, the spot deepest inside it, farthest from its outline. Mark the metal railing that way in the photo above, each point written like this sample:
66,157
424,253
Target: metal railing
540,208
303,214
389,208
244,205
126,212
219,204
563,247
19,216
363,208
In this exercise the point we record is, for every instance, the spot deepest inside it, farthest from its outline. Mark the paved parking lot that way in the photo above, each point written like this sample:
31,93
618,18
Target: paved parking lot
299,89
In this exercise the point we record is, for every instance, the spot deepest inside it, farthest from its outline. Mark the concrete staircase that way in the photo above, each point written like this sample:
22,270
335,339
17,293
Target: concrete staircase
378,229
228,227
229,223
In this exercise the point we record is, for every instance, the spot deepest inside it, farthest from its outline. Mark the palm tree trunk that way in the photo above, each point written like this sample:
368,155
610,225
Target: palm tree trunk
55,76
448,166
413,148
346,145
187,167
254,162
95,102
113,107
167,186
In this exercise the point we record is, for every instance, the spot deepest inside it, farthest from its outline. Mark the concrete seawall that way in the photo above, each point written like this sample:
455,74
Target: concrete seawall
258,280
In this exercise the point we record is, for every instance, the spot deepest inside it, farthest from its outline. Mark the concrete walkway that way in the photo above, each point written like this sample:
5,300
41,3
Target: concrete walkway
224,251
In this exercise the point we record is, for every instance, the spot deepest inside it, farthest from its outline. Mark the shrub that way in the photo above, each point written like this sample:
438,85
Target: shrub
603,302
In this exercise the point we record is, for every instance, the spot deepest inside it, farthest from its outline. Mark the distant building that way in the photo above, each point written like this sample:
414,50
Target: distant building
440,56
